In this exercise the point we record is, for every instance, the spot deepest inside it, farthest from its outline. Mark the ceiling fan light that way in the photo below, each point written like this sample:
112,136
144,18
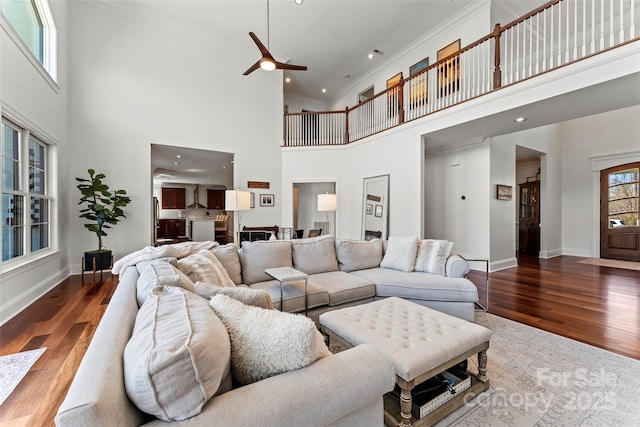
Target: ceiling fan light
267,64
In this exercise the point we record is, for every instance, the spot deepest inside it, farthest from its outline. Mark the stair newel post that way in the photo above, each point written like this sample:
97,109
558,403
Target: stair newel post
346,125
401,101
497,73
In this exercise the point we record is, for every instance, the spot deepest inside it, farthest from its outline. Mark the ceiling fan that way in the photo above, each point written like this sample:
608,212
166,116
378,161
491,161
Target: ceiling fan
267,62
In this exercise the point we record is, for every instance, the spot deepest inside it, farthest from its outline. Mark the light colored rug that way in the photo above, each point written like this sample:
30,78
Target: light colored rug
614,263
542,379
13,368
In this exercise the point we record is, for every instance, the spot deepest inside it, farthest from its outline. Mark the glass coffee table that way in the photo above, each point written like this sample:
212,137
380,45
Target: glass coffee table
289,274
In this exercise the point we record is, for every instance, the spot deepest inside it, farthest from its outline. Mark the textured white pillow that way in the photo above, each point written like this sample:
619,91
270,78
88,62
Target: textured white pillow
155,273
248,296
401,253
178,356
228,256
267,342
432,256
203,266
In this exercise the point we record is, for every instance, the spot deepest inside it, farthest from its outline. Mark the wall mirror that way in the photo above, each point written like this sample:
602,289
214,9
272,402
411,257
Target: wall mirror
375,207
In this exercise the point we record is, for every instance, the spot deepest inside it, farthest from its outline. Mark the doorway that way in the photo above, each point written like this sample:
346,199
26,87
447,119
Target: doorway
619,218
528,201
306,215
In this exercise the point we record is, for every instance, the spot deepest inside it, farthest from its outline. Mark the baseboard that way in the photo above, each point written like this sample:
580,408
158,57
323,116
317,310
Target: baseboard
11,308
503,264
577,252
552,253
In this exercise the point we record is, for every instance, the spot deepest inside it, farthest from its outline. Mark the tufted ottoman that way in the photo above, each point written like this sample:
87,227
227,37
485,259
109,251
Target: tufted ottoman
419,342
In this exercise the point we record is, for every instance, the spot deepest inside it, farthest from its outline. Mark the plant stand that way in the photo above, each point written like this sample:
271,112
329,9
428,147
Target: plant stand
94,269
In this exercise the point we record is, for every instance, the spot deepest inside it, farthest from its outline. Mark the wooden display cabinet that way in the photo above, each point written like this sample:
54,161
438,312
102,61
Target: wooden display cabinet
529,218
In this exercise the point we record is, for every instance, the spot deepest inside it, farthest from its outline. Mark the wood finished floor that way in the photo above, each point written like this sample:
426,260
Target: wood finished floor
596,305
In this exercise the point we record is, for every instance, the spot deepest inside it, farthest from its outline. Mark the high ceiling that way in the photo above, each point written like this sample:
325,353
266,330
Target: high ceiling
331,37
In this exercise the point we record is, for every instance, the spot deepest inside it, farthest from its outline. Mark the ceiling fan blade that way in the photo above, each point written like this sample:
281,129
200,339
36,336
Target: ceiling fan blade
283,66
252,68
263,50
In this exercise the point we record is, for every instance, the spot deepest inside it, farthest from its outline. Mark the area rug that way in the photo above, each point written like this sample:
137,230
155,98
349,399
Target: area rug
542,379
13,368
614,263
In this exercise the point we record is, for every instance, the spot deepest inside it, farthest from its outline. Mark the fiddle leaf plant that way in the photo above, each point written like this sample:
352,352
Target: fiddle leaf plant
100,205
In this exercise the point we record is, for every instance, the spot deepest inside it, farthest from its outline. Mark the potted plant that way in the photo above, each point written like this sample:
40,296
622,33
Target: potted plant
104,209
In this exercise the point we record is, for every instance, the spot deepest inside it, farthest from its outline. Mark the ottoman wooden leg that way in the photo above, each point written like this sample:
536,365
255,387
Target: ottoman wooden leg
405,407
482,365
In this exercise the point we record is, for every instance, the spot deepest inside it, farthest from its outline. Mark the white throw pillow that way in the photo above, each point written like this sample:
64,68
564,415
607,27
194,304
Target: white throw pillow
267,342
155,273
228,256
358,254
432,256
178,356
248,296
401,253
203,266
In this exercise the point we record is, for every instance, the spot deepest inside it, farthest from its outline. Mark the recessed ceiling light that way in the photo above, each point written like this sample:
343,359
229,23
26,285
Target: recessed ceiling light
298,1
287,79
520,119
324,90
224,167
178,156
176,163
347,75
371,55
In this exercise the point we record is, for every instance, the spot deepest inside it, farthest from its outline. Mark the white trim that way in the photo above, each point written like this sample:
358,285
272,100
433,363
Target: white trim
23,121
551,253
503,264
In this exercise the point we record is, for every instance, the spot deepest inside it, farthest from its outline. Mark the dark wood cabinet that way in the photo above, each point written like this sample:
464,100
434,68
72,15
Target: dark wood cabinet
174,198
171,228
529,218
215,199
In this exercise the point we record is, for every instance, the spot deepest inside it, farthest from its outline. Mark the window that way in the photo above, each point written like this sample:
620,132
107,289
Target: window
32,22
26,229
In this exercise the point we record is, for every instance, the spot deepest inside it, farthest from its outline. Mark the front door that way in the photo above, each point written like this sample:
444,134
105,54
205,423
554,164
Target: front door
619,219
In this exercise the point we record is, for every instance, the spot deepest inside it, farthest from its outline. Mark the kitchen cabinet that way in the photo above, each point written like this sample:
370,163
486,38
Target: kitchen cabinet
215,199
529,218
172,228
174,198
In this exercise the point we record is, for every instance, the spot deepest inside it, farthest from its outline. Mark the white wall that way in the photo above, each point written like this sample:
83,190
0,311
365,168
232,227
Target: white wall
31,101
152,82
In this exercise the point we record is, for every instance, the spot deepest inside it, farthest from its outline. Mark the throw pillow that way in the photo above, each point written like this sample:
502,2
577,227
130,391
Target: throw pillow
432,256
155,273
228,256
401,253
358,254
178,356
203,266
315,255
259,255
267,342
248,296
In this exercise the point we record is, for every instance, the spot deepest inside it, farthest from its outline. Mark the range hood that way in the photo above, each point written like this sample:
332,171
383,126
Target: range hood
196,199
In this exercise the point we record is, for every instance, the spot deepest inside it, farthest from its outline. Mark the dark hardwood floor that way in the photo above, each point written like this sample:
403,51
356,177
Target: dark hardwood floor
596,305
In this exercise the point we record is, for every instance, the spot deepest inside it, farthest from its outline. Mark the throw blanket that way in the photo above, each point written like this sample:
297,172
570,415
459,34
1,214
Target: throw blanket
177,250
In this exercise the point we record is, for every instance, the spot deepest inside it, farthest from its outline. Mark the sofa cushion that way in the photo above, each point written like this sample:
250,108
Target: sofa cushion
293,294
358,254
255,297
158,272
203,266
401,253
265,343
259,255
230,260
315,255
419,286
178,356
343,287
432,256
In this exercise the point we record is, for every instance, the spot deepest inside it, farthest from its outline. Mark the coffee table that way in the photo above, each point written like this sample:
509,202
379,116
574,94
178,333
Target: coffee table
420,343
289,274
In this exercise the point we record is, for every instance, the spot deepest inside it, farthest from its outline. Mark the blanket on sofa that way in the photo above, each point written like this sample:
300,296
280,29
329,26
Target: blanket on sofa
178,250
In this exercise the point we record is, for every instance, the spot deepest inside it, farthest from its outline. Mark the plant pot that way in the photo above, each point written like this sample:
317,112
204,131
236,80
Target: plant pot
102,260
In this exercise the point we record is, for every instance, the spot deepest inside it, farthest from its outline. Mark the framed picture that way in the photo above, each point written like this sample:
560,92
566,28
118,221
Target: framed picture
393,101
449,70
418,86
267,200
379,211
252,200
369,209
504,192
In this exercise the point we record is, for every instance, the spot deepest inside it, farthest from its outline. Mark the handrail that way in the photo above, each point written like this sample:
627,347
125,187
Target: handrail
548,37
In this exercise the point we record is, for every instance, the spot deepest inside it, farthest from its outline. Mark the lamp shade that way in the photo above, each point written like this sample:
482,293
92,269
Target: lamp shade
326,202
236,200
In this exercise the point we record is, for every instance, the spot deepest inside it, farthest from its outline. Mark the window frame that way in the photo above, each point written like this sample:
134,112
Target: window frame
28,133
48,68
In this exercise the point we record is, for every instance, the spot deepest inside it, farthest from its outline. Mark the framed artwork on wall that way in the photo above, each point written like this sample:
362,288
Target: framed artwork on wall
504,192
449,70
267,200
419,84
393,93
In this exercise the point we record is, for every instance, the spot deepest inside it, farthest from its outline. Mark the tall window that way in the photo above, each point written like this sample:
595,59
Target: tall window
25,170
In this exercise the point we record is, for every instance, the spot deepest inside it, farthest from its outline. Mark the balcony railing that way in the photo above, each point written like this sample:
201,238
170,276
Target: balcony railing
557,33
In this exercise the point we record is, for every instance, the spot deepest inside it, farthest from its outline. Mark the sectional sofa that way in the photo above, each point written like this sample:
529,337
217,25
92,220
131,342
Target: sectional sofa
157,293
